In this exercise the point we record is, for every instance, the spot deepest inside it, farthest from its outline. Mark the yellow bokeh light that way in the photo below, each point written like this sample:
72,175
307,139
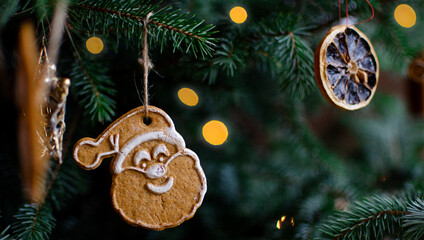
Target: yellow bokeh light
292,221
405,15
281,220
94,45
188,96
215,132
238,14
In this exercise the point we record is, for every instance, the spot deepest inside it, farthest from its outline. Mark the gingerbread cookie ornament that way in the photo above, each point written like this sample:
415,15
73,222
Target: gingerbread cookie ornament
157,182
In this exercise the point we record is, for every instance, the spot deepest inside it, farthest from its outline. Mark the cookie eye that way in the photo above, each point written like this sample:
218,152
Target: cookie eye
161,149
141,155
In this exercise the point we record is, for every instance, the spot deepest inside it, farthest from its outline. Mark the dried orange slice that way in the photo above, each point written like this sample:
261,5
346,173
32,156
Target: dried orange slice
346,68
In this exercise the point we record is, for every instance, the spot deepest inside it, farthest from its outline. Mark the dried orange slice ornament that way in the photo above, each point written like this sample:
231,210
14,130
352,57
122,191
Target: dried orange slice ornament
346,68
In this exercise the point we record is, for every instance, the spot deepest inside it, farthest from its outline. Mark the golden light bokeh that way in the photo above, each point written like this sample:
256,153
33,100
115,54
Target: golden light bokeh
215,132
94,45
405,15
280,221
278,224
188,97
238,15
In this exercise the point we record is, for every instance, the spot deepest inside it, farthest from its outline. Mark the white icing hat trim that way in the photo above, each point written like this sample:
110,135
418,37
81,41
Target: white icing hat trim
115,142
170,136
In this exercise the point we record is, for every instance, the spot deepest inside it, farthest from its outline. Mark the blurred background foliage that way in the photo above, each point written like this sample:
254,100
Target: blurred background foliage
291,161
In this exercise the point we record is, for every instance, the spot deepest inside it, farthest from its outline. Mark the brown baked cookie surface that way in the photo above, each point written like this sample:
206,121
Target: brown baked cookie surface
157,182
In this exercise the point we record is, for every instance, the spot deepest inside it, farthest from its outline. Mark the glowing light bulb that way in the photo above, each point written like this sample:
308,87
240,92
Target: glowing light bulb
405,15
215,132
238,14
94,45
188,96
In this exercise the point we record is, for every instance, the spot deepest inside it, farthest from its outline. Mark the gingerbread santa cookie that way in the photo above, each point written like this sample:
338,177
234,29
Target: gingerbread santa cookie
157,183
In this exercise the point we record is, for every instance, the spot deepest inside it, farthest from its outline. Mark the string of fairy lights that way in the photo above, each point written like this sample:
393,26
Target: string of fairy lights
215,132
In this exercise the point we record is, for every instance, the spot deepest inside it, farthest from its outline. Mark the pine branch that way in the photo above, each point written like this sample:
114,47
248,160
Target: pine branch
3,235
373,217
94,89
311,208
414,221
299,77
228,58
33,222
126,21
278,42
293,56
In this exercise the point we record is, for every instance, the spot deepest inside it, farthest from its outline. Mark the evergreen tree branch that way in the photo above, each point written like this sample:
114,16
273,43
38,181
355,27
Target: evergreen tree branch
279,42
4,235
127,20
33,222
94,89
300,77
140,18
414,221
93,86
283,41
376,216
228,57
373,217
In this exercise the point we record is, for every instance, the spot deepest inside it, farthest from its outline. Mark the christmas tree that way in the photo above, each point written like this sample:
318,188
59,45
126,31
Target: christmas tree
237,78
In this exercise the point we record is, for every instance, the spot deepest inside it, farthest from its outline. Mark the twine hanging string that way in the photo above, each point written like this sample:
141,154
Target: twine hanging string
372,16
340,13
147,64
347,13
